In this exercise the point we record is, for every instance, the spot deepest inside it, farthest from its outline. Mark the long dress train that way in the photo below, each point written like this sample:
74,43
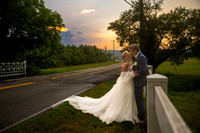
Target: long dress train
116,105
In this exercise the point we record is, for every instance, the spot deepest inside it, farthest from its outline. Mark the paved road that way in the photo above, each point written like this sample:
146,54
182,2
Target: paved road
23,97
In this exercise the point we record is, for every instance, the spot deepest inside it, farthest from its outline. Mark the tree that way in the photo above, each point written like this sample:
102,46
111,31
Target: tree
82,55
161,37
26,33
90,54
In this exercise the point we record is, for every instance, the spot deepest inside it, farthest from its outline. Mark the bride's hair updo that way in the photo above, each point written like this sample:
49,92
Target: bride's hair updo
125,57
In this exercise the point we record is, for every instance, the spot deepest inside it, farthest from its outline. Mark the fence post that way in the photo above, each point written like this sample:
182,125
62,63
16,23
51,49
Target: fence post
149,72
150,69
152,81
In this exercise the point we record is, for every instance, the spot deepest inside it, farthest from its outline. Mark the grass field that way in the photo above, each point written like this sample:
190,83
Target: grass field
73,68
184,90
190,67
188,105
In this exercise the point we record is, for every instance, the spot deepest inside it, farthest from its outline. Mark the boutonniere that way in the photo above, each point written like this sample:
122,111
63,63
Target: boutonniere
135,64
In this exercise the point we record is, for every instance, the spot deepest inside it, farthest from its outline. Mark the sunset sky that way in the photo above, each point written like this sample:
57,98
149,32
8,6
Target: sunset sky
87,20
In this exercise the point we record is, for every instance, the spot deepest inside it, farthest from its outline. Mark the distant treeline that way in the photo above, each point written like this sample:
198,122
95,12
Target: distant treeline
58,56
84,54
66,56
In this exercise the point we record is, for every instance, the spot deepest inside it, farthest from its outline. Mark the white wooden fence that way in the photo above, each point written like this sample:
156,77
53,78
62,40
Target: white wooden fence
162,116
12,69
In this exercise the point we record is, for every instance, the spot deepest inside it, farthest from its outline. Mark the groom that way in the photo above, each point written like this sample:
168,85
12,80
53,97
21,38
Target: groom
139,70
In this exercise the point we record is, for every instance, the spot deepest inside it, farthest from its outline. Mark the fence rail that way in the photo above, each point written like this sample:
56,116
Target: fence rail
12,69
168,117
162,116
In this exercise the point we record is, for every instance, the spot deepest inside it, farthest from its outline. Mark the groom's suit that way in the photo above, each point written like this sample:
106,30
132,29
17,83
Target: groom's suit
140,66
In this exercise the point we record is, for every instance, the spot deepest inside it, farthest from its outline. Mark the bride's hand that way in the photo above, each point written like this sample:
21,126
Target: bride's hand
136,74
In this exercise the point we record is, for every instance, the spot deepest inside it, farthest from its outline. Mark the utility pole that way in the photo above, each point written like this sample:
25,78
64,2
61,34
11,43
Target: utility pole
113,50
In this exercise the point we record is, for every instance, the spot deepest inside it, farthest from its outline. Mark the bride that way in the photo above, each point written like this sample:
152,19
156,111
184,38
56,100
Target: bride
116,105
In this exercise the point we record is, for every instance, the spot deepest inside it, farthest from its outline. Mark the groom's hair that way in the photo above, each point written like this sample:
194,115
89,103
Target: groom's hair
134,47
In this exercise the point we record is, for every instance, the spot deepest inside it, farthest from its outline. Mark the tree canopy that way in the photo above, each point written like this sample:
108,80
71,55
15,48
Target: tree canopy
166,36
24,32
30,31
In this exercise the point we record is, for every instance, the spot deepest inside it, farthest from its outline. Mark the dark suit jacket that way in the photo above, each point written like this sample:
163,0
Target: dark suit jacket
140,66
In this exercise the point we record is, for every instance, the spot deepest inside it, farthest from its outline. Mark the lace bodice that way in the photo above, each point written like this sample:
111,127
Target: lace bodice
127,75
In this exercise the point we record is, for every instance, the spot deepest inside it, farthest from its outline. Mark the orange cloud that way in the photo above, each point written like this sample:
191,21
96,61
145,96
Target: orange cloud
63,29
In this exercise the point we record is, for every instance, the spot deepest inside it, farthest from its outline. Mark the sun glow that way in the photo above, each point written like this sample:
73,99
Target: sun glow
62,29
106,38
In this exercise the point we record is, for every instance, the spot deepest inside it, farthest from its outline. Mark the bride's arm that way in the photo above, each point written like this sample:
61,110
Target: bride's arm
124,67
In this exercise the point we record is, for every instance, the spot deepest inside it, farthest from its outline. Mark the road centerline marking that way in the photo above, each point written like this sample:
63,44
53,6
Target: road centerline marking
12,86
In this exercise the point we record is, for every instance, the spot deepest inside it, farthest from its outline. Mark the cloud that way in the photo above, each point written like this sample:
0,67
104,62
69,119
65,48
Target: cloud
62,29
83,24
81,40
98,31
87,11
79,32
67,38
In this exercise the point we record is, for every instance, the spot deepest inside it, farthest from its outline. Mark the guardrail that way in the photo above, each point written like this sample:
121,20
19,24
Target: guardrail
12,69
162,116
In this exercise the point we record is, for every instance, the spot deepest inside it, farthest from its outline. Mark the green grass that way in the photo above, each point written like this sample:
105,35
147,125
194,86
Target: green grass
73,68
184,90
190,67
65,118
188,105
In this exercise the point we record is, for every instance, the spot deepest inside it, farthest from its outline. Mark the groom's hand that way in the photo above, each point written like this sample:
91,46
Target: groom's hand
136,74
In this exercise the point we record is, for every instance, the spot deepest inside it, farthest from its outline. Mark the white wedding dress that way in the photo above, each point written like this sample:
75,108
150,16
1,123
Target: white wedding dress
116,105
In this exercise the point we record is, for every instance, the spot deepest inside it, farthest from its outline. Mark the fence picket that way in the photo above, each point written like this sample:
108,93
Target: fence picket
12,69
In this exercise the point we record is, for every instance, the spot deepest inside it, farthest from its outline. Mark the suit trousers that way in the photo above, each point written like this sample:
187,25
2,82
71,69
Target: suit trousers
139,102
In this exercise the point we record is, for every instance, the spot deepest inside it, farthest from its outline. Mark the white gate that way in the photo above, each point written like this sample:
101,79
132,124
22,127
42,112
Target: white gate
12,69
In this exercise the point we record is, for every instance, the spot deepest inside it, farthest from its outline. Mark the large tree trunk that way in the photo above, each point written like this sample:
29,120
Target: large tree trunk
141,23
